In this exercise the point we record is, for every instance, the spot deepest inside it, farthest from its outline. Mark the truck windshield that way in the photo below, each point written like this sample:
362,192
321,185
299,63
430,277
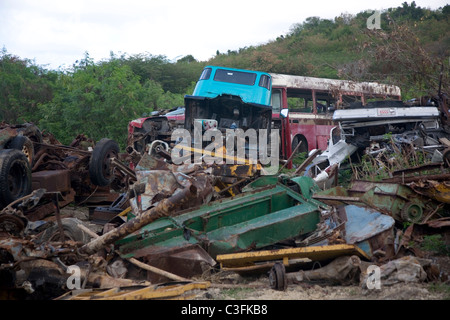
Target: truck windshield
238,77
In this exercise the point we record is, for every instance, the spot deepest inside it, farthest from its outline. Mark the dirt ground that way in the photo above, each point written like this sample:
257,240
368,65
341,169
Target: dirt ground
227,285
259,289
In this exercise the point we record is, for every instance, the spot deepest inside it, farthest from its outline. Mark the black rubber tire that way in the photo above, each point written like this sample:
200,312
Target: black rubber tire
303,147
25,145
99,167
446,157
71,232
15,176
277,277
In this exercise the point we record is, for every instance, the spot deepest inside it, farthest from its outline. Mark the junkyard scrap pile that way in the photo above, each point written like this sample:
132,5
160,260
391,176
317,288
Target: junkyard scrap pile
161,230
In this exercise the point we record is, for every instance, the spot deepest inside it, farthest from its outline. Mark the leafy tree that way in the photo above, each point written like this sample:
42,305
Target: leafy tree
398,55
97,100
23,86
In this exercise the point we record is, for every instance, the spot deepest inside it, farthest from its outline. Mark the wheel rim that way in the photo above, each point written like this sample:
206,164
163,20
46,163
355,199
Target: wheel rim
28,153
106,165
412,212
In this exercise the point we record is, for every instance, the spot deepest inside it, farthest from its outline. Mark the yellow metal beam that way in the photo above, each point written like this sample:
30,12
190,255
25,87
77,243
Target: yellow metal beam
171,291
314,253
235,160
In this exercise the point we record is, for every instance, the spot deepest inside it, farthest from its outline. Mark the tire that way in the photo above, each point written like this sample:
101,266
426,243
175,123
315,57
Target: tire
71,232
302,148
277,277
446,158
99,166
25,145
15,176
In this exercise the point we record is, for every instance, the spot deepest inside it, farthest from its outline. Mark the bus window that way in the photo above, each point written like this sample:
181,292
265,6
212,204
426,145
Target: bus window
300,100
276,101
348,100
300,105
322,106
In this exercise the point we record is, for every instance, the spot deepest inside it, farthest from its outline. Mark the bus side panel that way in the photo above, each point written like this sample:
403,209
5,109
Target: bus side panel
315,130
305,129
323,133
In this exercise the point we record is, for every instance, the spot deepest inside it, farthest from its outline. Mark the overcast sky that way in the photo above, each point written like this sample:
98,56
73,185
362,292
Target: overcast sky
58,32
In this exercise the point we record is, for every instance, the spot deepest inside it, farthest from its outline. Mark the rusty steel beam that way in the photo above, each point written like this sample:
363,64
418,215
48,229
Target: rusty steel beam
163,209
428,166
399,179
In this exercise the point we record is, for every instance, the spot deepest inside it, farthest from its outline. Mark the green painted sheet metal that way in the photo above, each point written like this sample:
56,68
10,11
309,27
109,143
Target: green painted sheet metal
248,221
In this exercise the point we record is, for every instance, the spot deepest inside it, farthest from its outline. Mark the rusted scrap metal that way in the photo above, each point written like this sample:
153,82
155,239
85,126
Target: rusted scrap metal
184,261
437,190
424,167
153,185
56,168
394,199
162,209
371,230
26,265
9,131
409,179
399,200
40,268
12,218
439,223
137,262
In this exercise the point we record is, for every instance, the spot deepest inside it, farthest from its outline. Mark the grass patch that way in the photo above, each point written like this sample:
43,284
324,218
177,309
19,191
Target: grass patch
236,293
441,288
435,243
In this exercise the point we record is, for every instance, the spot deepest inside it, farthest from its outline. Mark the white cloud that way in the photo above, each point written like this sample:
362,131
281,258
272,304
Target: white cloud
58,32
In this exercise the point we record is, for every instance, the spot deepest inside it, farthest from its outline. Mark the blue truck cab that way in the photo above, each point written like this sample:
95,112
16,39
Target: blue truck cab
251,86
227,98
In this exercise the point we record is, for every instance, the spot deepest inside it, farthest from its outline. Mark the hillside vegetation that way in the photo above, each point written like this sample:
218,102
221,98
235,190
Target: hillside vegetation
411,50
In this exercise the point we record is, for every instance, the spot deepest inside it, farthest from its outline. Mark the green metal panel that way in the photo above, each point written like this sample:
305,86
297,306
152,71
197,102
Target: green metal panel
251,220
